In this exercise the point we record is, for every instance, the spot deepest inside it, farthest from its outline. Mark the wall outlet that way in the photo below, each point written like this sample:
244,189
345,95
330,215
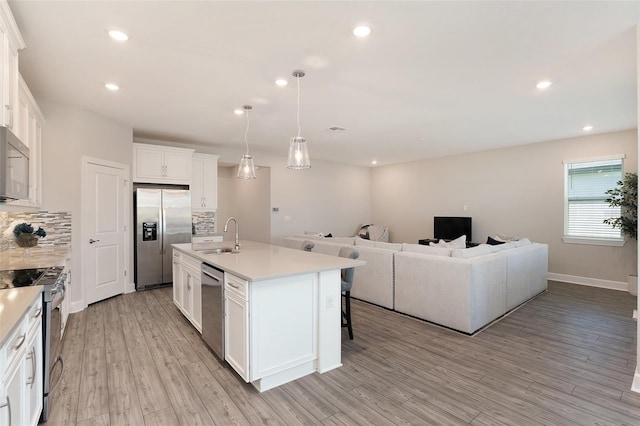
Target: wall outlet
329,303
275,209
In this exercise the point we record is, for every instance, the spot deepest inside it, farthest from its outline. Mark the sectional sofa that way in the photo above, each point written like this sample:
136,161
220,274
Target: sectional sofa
463,289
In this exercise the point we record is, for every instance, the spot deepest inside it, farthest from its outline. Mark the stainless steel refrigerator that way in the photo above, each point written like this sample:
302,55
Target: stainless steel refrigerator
162,218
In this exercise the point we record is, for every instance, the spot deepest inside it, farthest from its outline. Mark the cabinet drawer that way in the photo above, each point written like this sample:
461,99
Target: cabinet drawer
192,263
235,285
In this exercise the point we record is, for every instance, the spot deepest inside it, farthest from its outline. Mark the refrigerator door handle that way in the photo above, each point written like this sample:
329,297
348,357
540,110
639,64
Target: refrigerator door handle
164,230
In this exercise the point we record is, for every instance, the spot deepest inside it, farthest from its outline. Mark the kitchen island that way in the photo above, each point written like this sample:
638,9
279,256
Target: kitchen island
282,309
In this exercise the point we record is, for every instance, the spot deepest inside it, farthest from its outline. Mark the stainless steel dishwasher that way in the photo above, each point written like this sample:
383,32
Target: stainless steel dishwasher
213,309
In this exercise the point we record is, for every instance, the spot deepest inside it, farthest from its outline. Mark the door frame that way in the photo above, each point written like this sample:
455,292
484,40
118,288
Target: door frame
129,286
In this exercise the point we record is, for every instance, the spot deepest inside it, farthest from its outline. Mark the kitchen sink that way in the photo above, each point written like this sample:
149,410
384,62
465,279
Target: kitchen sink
221,250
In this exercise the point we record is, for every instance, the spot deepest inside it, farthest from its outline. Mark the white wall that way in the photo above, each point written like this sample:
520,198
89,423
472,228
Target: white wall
249,201
328,197
68,134
515,191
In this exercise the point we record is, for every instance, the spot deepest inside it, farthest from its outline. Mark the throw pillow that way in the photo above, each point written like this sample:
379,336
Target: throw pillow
458,243
419,248
479,250
494,242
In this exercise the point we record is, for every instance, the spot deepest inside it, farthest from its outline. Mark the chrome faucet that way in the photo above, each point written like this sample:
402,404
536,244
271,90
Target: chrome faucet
226,225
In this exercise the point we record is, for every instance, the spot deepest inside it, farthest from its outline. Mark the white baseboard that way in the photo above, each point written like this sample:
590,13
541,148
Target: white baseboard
76,307
591,282
130,288
635,386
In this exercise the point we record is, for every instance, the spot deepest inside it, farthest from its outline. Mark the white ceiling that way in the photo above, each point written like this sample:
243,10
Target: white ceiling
433,78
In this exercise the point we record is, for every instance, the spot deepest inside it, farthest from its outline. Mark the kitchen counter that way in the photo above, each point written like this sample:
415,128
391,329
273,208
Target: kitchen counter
34,257
13,304
282,308
258,262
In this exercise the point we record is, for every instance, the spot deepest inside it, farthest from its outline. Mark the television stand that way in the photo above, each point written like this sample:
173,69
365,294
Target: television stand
426,241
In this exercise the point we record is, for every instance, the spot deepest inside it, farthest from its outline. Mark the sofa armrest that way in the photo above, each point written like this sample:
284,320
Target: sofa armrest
374,282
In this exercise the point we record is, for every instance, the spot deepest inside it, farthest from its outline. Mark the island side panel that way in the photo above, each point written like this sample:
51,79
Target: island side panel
329,321
284,324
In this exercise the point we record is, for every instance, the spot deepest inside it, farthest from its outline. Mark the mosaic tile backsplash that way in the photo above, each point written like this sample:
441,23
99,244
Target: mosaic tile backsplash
56,224
206,222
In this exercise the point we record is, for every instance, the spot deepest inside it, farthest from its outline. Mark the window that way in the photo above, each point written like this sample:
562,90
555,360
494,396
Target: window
585,201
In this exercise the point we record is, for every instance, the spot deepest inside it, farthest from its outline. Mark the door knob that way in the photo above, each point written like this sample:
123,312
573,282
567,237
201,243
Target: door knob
91,241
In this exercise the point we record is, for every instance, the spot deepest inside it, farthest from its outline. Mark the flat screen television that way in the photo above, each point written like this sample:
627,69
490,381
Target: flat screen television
450,228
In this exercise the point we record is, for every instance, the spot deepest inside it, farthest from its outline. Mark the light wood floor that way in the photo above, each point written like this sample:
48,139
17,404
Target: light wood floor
565,358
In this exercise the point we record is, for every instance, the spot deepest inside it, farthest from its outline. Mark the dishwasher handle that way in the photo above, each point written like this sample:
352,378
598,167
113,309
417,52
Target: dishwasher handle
211,275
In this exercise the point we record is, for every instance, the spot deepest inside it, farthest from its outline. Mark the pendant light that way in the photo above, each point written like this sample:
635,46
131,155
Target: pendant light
246,169
298,153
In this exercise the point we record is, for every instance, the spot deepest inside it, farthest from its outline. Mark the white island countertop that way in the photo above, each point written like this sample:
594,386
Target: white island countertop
257,261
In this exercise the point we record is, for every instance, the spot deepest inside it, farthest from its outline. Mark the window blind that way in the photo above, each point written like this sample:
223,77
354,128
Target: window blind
586,184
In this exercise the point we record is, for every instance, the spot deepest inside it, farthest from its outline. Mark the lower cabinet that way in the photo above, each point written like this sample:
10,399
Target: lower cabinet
236,325
21,389
187,287
177,279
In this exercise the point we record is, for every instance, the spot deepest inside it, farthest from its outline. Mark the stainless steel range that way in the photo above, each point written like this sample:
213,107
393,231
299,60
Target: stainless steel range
52,280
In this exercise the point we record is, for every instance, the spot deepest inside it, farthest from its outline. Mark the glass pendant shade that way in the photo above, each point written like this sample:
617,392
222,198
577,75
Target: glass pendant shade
246,169
298,154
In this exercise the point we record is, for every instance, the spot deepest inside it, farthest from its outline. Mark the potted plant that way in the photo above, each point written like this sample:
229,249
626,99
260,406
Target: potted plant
26,236
625,196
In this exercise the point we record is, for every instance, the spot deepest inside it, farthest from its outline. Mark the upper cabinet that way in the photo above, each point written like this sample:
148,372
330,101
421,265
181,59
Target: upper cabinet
10,43
28,127
204,182
161,164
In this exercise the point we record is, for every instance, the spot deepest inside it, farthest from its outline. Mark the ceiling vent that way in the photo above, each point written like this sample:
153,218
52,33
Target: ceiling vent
337,129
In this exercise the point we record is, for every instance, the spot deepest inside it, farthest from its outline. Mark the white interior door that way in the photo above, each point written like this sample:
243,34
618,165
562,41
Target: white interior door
104,242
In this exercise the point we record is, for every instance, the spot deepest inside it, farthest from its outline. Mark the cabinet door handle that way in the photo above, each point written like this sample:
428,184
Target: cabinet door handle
32,378
22,338
7,404
37,313
233,285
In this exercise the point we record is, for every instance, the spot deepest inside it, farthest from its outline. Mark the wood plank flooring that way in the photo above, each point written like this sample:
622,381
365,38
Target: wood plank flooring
565,358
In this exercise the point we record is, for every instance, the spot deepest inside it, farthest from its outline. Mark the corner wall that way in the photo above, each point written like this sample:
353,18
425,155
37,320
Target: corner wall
68,134
515,191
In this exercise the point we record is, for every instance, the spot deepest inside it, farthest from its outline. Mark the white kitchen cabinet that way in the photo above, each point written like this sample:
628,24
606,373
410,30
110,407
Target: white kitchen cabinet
177,279
10,43
161,164
29,130
204,182
187,288
21,389
236,324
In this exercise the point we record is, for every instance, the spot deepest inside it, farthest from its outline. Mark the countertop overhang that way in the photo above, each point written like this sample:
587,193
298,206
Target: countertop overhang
13,304
259,262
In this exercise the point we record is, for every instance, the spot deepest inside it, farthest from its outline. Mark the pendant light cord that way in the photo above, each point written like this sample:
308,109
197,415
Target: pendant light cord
246,132
298,80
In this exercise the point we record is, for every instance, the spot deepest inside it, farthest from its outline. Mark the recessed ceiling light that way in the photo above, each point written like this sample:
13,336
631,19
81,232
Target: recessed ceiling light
587,128
281,82
112,86
374,162
238,111
361,31
118,35
544,84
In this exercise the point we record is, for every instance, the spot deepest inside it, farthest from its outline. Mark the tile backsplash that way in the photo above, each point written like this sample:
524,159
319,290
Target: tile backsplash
56,224
205,222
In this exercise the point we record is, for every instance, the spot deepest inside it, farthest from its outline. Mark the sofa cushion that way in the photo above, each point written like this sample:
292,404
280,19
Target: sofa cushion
503,247
378,244
523,242
467,253
419,248
458,243
507,238
342,240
